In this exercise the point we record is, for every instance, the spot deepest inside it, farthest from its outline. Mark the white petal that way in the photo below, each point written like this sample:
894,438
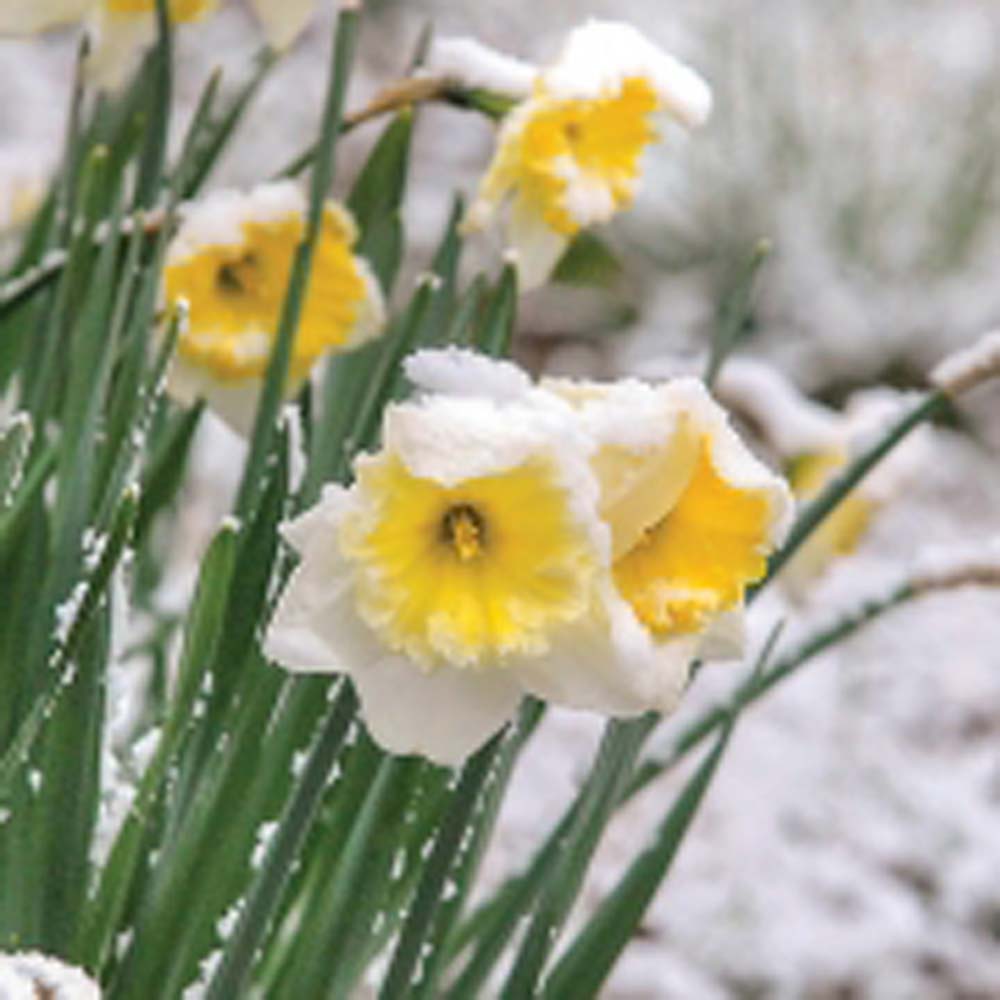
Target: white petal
283,20
536,244
25,17
235,401
610,664
725,637
315,626
600,55
471,64
119,41
458,372
444,714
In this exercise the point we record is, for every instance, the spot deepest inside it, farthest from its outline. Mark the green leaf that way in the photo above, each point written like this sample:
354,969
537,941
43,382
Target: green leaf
592,810
15,442
266,888
735,311
377,196
272,392
201,638
75,620
497,330
591,955
588,261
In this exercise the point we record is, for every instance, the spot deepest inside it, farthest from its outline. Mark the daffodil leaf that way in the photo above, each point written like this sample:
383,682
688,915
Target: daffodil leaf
592,810
104,914
588,260
377,196
15,440
590,956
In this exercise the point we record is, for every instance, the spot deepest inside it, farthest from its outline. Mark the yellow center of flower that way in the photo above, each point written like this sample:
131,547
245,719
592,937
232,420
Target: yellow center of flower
595,143
696,561
467,573
235,294
180,10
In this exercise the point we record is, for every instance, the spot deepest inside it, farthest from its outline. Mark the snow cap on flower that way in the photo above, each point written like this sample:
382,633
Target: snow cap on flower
569,156
29,975
120,29
229,263
469,63
577,541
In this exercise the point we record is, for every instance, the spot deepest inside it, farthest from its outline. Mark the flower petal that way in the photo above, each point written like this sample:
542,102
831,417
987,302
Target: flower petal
600,55
443,714
315,626
536,244
282,20
25,17
609,663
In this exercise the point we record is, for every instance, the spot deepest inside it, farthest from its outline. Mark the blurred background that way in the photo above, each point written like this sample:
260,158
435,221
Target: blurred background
851,846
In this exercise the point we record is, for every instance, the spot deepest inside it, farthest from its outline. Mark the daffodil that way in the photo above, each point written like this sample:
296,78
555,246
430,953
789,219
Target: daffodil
229,264
570,155
692,516
575,541
120,29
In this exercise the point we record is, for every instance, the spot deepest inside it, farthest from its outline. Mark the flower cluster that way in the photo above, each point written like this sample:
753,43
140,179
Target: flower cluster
569,156
574,540
229,264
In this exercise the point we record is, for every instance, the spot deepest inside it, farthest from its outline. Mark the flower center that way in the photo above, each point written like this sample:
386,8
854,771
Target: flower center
462,527
234,277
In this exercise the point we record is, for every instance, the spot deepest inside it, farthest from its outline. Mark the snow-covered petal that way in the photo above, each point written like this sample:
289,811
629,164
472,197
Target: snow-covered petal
30,975
469,63
600,55
457,372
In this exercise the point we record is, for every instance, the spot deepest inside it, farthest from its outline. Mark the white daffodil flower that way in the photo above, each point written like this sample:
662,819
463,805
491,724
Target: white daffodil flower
575,541
229,264
570,155
29,975
120,29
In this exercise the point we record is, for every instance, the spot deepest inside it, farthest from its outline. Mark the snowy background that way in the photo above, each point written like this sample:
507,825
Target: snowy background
850,846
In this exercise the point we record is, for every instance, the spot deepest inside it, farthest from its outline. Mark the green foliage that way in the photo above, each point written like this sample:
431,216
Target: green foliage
270,847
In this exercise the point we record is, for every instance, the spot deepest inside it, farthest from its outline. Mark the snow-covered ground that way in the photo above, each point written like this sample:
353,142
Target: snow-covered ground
850,846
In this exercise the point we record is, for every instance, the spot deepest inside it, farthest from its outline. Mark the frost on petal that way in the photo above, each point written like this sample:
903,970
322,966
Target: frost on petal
600,55
30,975
443,714
457,372
283,20
471,64
25,17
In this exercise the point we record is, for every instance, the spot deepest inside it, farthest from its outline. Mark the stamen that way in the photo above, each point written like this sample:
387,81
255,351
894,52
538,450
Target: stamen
232,278
463,528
